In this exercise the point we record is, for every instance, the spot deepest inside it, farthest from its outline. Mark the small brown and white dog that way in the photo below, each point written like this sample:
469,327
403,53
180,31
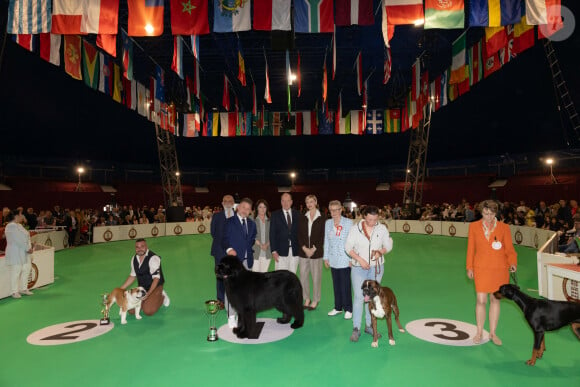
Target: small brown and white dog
126,299
382,302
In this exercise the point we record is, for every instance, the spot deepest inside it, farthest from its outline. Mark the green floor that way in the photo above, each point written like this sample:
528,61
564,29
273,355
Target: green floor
170,348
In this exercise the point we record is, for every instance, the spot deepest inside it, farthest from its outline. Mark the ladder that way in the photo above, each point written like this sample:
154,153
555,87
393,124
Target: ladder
561,90
170,175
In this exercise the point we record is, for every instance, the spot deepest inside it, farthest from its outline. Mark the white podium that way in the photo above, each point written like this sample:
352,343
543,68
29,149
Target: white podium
42,272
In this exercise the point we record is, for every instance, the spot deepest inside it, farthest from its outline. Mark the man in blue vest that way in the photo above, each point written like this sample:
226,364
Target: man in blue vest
146,268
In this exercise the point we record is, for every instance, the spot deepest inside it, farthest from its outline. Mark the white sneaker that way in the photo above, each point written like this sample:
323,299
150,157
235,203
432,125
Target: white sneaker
233,321
26,292
16,295
347,315
334,312
166,300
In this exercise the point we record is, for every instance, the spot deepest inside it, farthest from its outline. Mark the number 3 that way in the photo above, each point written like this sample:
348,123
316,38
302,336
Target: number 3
448,327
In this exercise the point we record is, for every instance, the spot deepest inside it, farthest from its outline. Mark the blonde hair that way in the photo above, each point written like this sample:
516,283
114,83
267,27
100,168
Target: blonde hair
335,203
313,197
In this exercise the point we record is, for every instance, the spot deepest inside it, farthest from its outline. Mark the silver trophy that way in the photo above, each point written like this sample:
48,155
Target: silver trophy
212,308
105,311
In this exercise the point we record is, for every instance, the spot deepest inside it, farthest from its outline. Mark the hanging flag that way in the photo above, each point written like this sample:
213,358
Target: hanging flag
416,80
129,93
195,46
50,48
145,17
233,18
211,126
313,16
387,66
458,59
552,13
334,53
325,120
356,122
142,100
523,36
463,87
85,17
359,73
260,124
177,62
267,95
404,11
492,63
494,13
444,14
108,43
189,17
374,122
228,123
365,95
272,15
475,63
226,94
29,17
443,87
192,125
72,56
324,81
276,123
117,83
306,123
351,12
196,80
241,65
393,120
127,55
342,125
435,92
105,74
25,41
254,100
91,65
244,127
299,76
388,30
289,81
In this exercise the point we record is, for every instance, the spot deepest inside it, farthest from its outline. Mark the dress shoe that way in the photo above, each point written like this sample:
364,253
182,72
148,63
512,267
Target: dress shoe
16,295
26,292
334,312
347,315
355,335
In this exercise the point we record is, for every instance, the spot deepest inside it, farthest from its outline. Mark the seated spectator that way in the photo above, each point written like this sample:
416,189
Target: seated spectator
571,246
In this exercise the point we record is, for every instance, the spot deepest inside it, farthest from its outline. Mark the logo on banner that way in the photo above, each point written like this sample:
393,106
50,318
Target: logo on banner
107,235
48,242
154,231
132,233
406,227
518,237
201,228
177,230
428,228
452,230
33,276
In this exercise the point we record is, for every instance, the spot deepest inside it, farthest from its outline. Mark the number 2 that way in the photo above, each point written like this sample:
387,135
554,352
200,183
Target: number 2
67,335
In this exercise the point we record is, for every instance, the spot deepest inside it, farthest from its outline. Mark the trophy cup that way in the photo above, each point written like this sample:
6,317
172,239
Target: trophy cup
211,310
105,311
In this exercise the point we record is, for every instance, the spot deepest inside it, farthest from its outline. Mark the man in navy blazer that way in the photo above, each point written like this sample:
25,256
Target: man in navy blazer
284,236
240,234
217,229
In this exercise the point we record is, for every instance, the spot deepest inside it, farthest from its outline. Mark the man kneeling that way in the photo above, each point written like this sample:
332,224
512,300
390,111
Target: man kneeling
146,268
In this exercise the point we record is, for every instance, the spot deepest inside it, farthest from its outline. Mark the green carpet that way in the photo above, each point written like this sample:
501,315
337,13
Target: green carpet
170,348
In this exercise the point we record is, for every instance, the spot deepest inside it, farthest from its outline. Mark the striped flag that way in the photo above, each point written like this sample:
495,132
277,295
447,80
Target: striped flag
272,15
192,124
177,62
444,14
387,66
393,120
127,55
228,124
494,13
306,123
475,63
404,11
267,95
313,16
342,125
352,12
226,94
29,17
195,46
91,65
211,127
50,48
458,59
356,122
25,41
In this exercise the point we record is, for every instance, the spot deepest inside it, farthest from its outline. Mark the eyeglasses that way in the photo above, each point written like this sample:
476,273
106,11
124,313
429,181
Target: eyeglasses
334,209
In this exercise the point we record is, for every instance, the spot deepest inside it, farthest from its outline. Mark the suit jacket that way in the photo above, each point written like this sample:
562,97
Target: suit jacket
280,236
235,238
258,249
217,227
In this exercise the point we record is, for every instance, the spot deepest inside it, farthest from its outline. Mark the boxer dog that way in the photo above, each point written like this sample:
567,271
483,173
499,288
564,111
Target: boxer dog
126,299
382,302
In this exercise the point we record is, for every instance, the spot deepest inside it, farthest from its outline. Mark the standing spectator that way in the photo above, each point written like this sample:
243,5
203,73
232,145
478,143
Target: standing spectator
18,259
284,235
541,211
564,214
217,229
336,231
262,250
7,216
31,218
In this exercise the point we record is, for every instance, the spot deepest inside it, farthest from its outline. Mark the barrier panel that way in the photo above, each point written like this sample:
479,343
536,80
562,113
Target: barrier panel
42,272
105,234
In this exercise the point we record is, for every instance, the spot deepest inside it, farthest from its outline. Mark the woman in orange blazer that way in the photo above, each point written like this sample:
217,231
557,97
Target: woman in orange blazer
490,254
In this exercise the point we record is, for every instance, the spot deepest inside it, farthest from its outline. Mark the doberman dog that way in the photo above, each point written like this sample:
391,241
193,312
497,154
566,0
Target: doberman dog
542,316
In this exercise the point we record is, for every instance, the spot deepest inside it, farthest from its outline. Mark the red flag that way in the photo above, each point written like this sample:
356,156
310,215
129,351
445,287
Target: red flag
267,95
72,56
108,43
226,94
349,12
334,53
387,66
324,81
196,80
50,48
189,18
85,17
145,17
25,41
241,65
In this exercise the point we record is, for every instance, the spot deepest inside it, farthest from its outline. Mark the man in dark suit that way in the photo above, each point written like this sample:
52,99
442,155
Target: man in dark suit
217,229
239,238
284,235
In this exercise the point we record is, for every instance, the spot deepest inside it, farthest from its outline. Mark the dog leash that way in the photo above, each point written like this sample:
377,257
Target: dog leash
514,278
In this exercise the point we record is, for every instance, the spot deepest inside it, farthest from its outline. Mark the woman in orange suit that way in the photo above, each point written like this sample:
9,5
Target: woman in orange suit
490,254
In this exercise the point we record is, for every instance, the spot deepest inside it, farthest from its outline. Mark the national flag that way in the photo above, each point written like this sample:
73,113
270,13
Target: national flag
492,64
267,95
342,125
453,92
357,120
387,66
495,38
388,30
50,48
226,94
127,55
195,46
334,53
404,11
236,17
458,59
244,124
313,16
196,80
276,123
211,126
365,95
108,43
117,83
416,79
91,65
228,122
325,120
552,13
192,125
463,87
129,93
272,15
324,81
289,80
350,12
72,56
444,14
25,41
177,62
393,120
145,17
299,75
105,74
339,104
190,93
435,93
523,36
306,123
189,17
85,17
374,122
254,100
359,79
494,13
159,84
508,48
443,87
29,17
142,100
260,124
288,125
241,65
475,63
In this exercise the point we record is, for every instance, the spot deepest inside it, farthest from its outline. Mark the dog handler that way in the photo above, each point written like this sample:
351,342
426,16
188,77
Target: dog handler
146,268
490,253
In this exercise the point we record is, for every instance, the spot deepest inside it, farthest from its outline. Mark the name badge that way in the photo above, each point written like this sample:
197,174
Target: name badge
496,245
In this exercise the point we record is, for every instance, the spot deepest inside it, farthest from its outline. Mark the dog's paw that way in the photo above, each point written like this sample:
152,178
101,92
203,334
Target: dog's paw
391,342
402,330
531,362
138,317
375,344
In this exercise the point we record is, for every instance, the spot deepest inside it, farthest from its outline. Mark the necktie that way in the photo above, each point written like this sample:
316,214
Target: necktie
288,219
244,226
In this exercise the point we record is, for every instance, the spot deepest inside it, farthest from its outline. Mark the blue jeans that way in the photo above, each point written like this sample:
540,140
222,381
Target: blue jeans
358,276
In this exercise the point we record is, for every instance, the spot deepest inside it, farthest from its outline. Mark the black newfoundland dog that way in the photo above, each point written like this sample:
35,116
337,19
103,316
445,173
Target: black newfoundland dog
250,293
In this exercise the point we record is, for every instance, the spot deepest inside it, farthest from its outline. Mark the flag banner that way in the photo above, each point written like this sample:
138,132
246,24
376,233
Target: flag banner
272,15
393,120
342,125
463,87
507,51
357,122
492,63
29,17
117,83
324,81
334,52
142,101
475,63
228,123
289,124
226,94
50,48
351,12
458,59
374,122
260,124
306,123
523,36
387,30
241,65
85,17
145,17
159,84
127,94
231,16
25,41
108,43
404,11
254,100
495,38
192,124
276,123
91,65
72,56
539,12
387,66
195,46
416,79
105,74
444,14
189,17
127,55
244,127
313,16
211,126
325,120
267,96
359,77
177,62
553,15
494,13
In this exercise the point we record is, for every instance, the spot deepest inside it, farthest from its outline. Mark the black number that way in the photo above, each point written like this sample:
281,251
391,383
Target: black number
66,335
448,327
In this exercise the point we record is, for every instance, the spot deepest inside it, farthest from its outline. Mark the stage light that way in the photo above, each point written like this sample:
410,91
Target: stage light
419,22
550,162
292,177
149,29
177,174
80,171
291,78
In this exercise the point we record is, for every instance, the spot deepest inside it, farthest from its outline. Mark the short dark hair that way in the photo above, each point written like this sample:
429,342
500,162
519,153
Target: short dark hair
247,200
140,240
370,210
